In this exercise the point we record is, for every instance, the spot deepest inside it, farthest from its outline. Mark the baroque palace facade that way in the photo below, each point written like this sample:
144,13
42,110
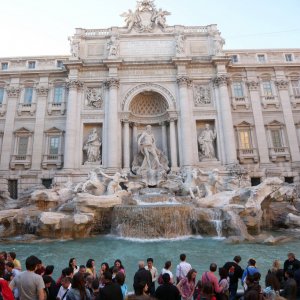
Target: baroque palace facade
61,116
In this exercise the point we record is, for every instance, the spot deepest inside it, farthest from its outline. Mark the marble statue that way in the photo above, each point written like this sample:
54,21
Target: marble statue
206,140
113,47
92,146
160,17
92,185
212,182
75,47
218,45
130,18
190,183
114,184
180,44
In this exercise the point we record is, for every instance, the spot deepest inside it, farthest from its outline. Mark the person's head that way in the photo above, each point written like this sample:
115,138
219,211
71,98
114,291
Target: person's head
95,285
276,264
65,282
182,257
120,278
150,262
166,277
68,272
11,256
78,283
291,256
168,264
72,262
142,288
90,263
82,269
49,270
148,128
206,126
252,262
104,267
213,267
31,263
289,274
47,281
237,259
107,277
118,264
9,266
141,264
3,255
191,275
223,273
256,277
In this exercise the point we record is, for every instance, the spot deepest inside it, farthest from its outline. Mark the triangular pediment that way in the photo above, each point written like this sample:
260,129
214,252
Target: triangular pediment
275,123
53,130
23,130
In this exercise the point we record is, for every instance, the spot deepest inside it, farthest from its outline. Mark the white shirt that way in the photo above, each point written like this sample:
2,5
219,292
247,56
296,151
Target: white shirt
164,271
182,269
62,291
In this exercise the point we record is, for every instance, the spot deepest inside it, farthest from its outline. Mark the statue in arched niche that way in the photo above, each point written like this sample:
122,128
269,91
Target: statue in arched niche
92,146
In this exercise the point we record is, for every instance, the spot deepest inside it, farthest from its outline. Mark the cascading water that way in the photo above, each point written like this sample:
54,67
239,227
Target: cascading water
218,223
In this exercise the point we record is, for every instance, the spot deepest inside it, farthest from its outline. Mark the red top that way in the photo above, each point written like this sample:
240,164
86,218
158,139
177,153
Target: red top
7,293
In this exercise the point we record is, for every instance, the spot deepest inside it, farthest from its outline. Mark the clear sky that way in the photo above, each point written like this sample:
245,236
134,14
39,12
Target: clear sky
42,27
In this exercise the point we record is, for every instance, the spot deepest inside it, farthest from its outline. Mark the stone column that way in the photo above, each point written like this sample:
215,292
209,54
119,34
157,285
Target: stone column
38,138
134,140
164,137
173,144
227,124
185,118
282,86
13,94
113,138
126,145
260,131
71,124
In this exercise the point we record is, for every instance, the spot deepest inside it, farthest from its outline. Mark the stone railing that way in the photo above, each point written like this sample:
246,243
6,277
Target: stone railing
269,100
250,153
196,29
96,32
26,108
56,107
240,101
52,159
279,152
24,160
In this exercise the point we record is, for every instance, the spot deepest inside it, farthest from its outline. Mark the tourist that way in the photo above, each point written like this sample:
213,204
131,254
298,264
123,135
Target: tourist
10,268
120,279
73,264
47,281
250,270
40,268
82,269
167,291
142,275
279,273
186,285
30,285
207,292
88,283
5,291
142,290
253,291
211,277
53,289
64,289
154,275
78,291
3,256
182,268
166,269
291,263
290,286
96,288
66,272
235,273
224,283
272,284
111,290
118,265
11,256
90,267
297,279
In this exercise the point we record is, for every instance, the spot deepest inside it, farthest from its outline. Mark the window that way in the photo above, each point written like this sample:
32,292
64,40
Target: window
276,138
238,90
261,58
267,88
255,181
234,58
245,138
47,183
58,94
288,57
23,144
28,95
289,179
54,145
1,95
13,188
296,87
59,64
4,66
31,65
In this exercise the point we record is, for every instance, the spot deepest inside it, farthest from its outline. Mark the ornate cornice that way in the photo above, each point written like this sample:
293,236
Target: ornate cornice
220,80
282,84
74,84
112,82
253,85
13,91
42,91
184,81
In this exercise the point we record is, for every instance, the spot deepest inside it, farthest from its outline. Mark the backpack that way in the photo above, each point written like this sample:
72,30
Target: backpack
231,271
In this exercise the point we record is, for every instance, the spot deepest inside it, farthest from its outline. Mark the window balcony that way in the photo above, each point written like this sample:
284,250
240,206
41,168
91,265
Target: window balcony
20,160
247,154
295,100
270,100
25,108
277,153
240,101
52,160
56,108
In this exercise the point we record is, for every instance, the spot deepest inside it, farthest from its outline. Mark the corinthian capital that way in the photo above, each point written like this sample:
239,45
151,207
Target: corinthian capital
282,84
42,91
13,91
112,82
253,85
220,80
74,84
184,81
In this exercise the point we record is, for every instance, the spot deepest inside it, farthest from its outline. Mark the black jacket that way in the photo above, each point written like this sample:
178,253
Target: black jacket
167,291
142,275
238,271
111,291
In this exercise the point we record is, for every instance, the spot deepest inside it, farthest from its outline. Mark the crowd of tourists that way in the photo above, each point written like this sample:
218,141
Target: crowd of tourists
85,282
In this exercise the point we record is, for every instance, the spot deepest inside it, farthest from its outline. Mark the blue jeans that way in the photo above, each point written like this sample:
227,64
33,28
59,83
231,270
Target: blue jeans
232,290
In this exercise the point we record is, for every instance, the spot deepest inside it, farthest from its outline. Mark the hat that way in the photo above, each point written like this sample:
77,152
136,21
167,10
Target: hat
252,262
